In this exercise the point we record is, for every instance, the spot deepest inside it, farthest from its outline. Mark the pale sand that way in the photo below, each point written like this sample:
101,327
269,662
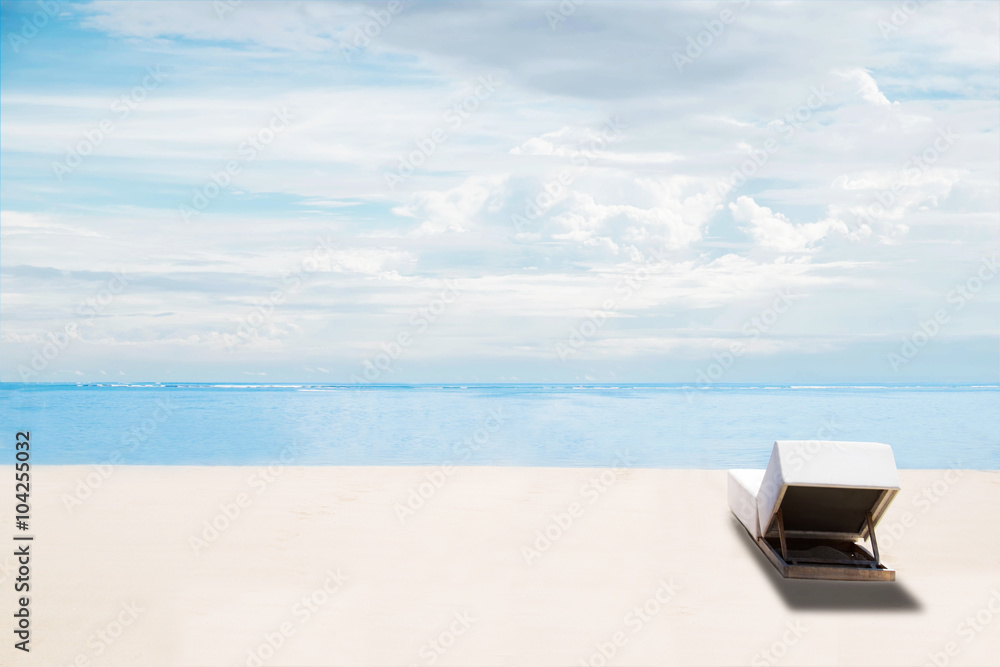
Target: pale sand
462,554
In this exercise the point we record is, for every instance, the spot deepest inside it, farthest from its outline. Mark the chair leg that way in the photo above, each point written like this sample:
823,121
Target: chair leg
781,536
871,536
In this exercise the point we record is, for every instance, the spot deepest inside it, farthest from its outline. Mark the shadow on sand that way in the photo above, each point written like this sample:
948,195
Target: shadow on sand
829,595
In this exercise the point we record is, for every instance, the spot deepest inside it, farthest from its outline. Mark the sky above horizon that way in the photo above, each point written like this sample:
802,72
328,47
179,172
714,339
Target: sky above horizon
791,192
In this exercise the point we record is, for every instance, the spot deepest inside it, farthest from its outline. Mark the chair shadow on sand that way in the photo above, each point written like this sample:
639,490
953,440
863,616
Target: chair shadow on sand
799,594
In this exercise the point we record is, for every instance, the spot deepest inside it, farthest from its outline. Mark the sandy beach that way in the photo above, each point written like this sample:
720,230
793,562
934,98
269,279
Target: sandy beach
164,565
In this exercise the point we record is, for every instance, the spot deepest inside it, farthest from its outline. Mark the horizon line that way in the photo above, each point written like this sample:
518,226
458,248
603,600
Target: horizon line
679,385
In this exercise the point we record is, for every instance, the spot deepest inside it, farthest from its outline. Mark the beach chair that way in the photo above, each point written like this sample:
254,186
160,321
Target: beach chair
813,503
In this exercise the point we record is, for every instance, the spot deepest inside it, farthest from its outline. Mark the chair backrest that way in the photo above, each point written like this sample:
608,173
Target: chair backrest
825,488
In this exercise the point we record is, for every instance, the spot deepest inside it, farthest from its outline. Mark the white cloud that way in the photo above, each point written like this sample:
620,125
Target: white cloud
675,223
19,222
774,231
453,210
868,89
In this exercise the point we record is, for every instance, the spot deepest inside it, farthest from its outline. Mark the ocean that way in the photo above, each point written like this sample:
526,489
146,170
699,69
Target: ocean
655,426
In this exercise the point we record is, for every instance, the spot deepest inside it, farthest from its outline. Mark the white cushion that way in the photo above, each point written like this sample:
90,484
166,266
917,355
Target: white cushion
742,491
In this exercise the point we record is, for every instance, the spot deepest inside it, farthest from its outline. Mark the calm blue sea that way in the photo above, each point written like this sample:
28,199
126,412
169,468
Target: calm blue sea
667,426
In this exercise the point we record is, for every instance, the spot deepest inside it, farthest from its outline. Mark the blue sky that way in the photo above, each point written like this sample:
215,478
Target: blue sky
521,191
